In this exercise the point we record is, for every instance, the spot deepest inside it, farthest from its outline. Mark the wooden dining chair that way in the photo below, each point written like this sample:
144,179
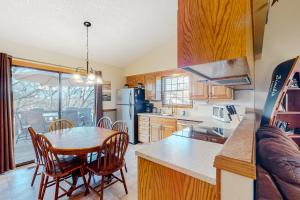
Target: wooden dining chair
121,126
37,151
58,168
60,124
105,122
112,150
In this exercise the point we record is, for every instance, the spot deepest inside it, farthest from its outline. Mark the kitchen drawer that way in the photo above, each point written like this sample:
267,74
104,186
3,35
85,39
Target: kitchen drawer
144,123
144,130
143,118
145,138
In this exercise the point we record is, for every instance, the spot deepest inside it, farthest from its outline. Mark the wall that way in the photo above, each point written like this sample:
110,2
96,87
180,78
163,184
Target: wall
281,42
159,59
115,75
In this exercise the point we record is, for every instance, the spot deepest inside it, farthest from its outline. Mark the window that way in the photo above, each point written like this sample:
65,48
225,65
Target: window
176,90
41,97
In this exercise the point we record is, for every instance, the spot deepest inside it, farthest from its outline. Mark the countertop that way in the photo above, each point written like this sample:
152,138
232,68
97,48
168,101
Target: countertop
203,120
189,156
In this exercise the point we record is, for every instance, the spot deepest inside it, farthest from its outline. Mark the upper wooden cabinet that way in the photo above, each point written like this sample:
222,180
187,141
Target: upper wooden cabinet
150,89
210,31
198,89
220,92
132,81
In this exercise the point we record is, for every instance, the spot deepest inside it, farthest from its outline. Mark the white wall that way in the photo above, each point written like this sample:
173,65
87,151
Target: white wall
115,75
281,42
159,59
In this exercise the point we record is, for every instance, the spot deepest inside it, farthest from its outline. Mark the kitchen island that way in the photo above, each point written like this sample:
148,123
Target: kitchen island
169,169
184,168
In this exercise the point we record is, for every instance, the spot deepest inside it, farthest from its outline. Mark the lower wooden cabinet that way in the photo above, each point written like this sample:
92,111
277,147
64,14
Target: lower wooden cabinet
143,131
153,129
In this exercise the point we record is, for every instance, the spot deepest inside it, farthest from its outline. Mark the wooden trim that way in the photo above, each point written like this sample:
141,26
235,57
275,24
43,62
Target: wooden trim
238,153
218,184
44,66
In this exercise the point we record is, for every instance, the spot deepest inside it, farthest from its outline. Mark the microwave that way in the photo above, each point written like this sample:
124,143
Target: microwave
223,112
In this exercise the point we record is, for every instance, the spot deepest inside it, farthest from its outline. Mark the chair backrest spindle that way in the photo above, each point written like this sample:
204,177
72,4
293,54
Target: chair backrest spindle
105,122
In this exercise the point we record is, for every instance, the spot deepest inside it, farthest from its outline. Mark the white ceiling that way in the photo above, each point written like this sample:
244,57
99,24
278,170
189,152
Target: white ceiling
122,30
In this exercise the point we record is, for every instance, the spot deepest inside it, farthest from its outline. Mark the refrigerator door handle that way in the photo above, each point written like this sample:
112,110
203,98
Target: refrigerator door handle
130,105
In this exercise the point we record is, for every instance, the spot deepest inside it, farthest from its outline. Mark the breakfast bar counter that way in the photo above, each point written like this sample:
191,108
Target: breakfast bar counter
189,156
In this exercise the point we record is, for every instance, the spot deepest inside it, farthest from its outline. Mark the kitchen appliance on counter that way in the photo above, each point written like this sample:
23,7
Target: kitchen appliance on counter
224,112
148,107
130,102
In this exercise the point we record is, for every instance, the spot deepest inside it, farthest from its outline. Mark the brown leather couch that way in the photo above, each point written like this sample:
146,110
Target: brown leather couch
278,169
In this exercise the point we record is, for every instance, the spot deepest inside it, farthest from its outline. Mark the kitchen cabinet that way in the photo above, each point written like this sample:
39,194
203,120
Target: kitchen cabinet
220,92
155,132
150,81
199,89
143,129
132,81
218,32
161,128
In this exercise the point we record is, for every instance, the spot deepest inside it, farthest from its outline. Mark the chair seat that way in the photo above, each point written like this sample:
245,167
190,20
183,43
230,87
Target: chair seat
67,164
93,166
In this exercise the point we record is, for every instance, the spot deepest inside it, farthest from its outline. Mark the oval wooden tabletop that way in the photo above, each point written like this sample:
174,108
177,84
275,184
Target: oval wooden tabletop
78,140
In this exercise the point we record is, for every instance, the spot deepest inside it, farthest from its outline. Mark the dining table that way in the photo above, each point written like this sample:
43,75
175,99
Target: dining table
78,141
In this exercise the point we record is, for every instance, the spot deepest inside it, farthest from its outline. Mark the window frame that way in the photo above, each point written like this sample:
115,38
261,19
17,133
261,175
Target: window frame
163,91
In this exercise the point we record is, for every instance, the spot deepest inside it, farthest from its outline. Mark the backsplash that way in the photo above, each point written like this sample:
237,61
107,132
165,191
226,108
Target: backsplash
243,100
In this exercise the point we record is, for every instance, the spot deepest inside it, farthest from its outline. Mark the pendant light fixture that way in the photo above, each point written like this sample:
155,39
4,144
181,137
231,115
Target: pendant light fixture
92,78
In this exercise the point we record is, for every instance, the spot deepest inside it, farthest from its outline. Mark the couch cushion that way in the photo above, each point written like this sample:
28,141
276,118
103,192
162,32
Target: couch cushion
274,132
282,161
265,187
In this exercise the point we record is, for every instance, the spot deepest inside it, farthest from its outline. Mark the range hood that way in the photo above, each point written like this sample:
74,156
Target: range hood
226,72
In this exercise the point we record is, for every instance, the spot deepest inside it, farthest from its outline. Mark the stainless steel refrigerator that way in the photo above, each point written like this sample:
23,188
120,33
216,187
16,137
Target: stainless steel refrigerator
130,101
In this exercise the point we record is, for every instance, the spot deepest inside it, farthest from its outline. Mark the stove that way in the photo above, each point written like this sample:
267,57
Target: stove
211,134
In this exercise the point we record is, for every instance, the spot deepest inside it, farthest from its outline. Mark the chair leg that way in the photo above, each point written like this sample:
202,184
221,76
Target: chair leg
35,173
84,181
88,183
41,186
45,186
56,188
124,182
102,187
125,167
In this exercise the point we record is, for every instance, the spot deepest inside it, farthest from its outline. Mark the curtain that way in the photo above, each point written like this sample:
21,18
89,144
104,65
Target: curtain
6,115
98,100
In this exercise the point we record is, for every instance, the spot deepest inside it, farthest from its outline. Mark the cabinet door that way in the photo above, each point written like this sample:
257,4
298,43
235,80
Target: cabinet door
131,81
220,92
155,132
140,79
167,131
199,90
150,86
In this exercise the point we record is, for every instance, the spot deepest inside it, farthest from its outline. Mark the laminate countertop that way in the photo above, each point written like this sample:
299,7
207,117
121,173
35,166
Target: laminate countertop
203,120
189,156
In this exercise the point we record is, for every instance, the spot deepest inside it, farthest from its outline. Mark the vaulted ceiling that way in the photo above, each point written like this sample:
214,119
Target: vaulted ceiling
122,30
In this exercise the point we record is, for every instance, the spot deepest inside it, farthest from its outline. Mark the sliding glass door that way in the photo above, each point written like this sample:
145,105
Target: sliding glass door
41,97
77,101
